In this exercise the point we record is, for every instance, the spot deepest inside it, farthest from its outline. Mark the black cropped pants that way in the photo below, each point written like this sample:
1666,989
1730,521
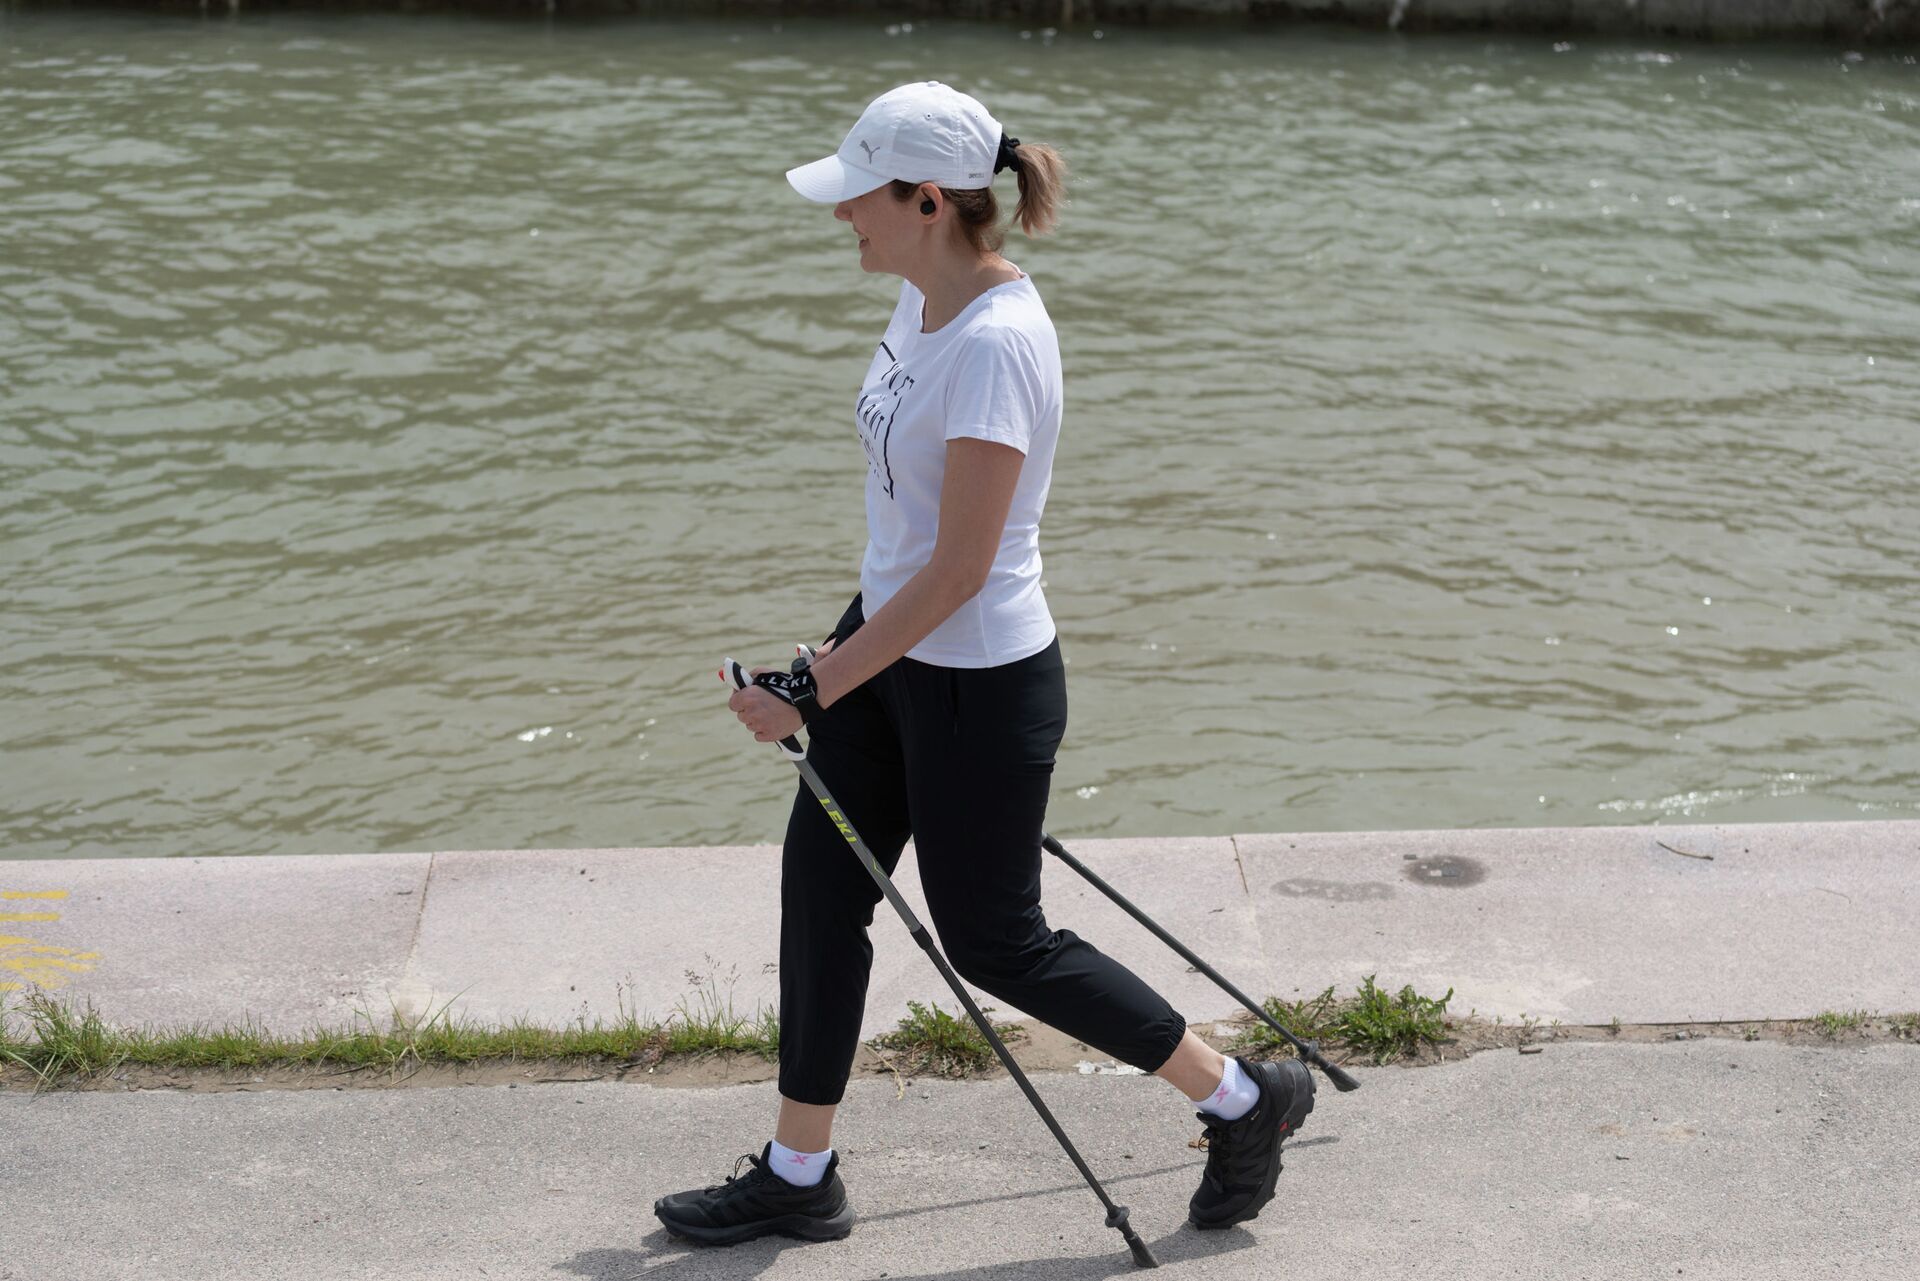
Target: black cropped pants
960,759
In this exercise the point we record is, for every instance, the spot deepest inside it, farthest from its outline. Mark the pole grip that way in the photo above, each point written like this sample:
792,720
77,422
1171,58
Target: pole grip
790,746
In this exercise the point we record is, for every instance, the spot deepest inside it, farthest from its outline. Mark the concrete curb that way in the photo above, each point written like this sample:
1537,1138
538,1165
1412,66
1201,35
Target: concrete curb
1646,924
1860,22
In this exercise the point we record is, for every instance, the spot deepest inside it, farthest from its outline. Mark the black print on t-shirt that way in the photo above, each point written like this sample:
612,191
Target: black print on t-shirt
877,411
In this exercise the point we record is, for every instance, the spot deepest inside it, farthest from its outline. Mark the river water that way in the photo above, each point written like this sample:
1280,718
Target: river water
400,418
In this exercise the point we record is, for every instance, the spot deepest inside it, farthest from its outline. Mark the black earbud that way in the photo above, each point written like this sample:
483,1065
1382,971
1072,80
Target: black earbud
926,206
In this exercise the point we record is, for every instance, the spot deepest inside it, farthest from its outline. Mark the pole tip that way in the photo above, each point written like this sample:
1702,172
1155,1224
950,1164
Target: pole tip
1117,1218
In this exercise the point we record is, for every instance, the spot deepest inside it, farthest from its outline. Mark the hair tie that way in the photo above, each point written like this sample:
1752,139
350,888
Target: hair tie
1007,159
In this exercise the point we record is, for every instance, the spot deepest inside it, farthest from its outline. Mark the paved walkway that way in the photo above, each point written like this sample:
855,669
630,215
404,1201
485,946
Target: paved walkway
1700,1159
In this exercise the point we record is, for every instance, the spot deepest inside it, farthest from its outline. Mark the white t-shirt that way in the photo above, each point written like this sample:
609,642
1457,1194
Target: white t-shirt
992,372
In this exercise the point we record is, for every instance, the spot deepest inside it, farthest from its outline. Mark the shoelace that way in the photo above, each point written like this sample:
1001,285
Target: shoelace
1216,1155
747,1156
1216,1135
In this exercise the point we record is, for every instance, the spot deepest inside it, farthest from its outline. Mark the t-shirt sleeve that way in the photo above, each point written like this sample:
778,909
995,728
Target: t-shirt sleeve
996,389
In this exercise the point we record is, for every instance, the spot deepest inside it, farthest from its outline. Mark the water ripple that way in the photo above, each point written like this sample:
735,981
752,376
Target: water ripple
402,416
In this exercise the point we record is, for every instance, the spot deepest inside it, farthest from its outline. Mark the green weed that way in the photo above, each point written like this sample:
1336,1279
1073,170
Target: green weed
1371,1022
938,1043
1313,1018
1832,1023
1388,1027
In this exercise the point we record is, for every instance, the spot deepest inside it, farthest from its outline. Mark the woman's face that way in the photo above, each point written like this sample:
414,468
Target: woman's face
890,232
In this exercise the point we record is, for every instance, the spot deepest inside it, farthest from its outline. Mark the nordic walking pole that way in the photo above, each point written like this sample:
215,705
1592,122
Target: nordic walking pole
791,748
1309,1050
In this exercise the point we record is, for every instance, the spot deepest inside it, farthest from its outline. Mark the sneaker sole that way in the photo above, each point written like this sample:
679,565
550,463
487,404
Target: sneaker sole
808,1227
1296,1116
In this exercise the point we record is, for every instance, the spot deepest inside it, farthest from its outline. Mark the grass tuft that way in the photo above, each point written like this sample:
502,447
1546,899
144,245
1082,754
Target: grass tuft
1388,1027
1833,1023
938,1043
1371,1022
62,1042
718,1027
1313,1018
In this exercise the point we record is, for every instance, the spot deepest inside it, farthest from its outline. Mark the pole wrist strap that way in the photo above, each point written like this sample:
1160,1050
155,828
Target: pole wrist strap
796,688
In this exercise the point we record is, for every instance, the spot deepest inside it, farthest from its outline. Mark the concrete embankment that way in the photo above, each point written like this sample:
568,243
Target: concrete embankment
1584,925
1717,1158
1850,21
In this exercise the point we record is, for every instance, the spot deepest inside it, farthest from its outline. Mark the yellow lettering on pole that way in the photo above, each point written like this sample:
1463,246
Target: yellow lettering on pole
845,829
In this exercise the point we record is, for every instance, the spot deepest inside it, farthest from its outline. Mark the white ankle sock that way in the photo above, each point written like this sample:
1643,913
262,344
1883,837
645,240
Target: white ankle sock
1234,1096
802,1169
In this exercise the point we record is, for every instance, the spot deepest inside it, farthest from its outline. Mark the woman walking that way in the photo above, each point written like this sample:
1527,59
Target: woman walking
935,709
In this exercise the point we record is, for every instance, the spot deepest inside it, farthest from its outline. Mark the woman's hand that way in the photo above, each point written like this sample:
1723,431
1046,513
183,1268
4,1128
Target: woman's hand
769,717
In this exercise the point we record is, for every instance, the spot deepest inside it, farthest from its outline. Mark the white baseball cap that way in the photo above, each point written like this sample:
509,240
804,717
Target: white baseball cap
920,132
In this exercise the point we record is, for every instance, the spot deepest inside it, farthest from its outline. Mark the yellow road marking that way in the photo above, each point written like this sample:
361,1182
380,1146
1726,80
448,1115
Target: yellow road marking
21,964
44,963
33,893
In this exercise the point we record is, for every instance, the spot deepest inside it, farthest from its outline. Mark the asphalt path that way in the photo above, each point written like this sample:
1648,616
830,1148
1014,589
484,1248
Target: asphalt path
1715,1158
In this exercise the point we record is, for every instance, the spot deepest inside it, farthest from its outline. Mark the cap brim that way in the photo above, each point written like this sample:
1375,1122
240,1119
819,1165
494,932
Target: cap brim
829,180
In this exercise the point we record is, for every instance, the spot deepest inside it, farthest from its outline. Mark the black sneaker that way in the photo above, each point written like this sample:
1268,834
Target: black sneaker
759,1202
1243,1156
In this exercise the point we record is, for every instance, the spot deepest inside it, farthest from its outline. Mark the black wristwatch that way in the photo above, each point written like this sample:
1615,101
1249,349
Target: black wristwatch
806,693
